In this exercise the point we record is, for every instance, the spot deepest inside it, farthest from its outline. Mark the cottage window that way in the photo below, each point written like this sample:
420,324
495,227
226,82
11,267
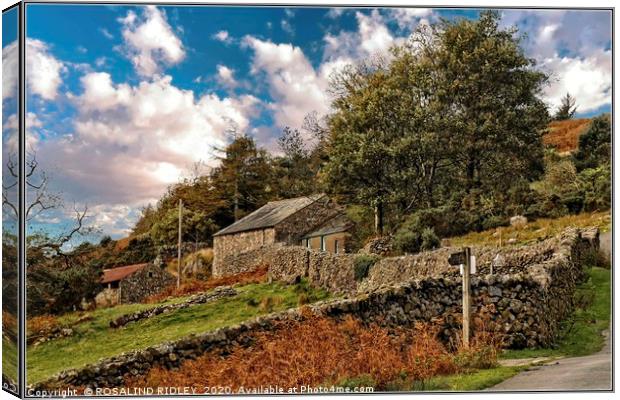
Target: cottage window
322,243
308,243
150,274
336,246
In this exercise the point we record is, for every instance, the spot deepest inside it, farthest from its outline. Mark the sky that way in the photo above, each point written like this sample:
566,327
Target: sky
122,101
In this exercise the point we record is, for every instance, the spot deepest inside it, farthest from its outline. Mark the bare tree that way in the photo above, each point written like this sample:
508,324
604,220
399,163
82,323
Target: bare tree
40,199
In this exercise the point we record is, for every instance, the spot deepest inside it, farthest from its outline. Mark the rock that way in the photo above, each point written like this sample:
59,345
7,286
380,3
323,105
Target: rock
518,221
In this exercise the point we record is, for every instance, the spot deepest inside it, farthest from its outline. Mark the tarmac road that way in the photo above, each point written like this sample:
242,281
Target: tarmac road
591,372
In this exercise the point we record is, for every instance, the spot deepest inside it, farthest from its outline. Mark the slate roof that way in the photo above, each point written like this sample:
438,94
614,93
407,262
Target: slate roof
340,223
270,214
116,274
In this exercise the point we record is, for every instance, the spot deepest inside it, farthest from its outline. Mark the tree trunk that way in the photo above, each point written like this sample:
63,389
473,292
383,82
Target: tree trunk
236,200
379,218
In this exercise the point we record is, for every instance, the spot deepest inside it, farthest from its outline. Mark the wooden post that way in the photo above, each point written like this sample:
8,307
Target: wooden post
466,300
179,267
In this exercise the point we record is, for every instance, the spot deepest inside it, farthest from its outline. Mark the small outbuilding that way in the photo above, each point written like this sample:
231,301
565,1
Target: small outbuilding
132,283
313,221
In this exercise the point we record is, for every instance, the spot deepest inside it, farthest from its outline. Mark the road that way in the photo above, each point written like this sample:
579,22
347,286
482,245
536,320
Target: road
605,239
591,372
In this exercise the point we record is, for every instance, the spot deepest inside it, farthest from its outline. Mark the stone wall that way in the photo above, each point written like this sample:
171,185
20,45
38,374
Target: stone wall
201,298
227,247
144,283
527,306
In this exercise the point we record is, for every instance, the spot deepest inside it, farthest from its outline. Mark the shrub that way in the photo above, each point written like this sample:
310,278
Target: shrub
596,186
430,241
316,351
362,265
594,145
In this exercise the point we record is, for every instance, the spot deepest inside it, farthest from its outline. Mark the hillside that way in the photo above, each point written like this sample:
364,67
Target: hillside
564,135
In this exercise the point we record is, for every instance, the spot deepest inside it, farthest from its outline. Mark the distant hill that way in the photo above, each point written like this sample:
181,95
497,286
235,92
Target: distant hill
564,135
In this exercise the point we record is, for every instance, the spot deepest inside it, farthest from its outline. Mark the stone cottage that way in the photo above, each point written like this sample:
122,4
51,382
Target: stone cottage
314,221
132,284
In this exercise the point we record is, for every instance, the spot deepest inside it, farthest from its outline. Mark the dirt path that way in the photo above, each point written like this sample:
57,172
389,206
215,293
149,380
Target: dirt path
591,372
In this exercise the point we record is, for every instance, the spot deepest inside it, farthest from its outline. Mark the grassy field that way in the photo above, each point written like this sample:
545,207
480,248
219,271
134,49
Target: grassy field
9,358
582,332
94,339
535,230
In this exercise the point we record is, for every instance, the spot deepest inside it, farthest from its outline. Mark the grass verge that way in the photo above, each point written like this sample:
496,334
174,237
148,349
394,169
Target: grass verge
94,339
478,380
581,334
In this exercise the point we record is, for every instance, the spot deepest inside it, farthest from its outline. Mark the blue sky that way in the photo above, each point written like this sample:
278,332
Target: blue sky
124,100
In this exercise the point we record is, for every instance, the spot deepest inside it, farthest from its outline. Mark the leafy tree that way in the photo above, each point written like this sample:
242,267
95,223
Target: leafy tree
594,145
456,109
196,227
495,116
148,217
567,108
243,181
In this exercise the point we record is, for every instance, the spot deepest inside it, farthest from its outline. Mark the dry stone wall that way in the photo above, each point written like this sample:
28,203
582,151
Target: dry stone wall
202,298
526,306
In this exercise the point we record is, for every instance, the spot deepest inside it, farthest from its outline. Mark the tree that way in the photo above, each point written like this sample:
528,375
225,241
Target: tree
243,180
40,199
197,227
567,108
594,147
457,108
294,176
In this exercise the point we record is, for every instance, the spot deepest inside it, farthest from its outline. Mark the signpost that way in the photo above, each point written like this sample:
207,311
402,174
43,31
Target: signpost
466,300
467,264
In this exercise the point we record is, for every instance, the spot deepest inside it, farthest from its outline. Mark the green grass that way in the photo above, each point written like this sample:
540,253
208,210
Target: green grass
9,358
477,380
94,339
581,333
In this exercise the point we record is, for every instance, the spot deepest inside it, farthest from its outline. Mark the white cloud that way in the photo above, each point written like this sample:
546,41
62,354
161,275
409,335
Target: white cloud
223,37
10,70
409,17
106,33
570,46
371,38
42,68
588,79
129,142
375,36
287,27
225,76
150,41
294,85
11,137
100,61
335,12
